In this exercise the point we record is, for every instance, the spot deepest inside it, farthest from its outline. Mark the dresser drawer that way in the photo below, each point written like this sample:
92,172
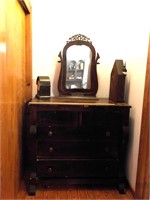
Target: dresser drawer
57,118
78,133
77,168
109,131
102,117
57,132
78,149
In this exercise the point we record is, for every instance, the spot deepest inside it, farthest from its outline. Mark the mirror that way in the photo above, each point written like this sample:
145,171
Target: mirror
78,74
78,67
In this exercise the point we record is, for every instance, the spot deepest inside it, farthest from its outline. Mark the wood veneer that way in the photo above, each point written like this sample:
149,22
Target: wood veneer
143,177
74,192
12,93
28,65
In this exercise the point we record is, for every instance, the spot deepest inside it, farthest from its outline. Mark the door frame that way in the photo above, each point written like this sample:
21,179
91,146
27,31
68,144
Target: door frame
142,179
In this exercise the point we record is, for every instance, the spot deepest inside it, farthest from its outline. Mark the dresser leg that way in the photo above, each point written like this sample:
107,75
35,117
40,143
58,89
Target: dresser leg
121,188
31,189
31,185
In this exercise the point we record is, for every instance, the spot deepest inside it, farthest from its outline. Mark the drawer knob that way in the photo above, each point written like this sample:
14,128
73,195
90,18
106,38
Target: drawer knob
50,133
51,149
107,134
106,149
33,129
50,170
106,168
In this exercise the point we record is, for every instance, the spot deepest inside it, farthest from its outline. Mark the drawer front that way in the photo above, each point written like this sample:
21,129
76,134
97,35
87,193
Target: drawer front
57,118
78,149
57,132
82,132
77,168
104,117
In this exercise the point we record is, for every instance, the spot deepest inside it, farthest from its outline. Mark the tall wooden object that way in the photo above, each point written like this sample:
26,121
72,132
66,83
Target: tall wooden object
15,89
117,82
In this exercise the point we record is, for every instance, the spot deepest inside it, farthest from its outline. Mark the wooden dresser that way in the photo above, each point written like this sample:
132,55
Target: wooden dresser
76,141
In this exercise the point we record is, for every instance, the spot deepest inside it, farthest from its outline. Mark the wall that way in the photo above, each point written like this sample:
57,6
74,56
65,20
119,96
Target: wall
118,30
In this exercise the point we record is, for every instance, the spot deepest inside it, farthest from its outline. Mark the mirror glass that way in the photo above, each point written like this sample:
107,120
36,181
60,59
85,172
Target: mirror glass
78,67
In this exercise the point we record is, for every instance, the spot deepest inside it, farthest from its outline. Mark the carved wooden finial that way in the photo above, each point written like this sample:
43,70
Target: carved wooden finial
79,37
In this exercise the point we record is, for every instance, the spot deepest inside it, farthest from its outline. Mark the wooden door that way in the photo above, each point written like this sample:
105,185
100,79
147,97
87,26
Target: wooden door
15,89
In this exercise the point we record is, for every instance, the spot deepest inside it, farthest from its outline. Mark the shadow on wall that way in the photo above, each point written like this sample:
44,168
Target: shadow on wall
54,83
127,89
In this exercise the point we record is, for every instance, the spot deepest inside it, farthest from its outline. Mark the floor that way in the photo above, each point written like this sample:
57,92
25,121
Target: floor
74,192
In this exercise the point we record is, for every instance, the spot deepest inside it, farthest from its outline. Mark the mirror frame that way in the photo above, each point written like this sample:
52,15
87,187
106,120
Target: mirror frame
78,40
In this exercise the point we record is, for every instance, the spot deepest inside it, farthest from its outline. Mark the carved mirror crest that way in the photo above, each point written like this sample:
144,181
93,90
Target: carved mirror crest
78,74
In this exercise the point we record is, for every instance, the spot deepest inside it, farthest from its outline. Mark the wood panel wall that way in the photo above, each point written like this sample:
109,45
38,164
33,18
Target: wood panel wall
12,93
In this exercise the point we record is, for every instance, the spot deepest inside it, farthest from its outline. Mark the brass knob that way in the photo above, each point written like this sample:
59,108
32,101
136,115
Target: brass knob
107,133
50,170
106,149
50,133
106,168
51,149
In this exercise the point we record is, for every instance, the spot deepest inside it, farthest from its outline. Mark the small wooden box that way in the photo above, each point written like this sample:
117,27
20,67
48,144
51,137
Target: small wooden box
117,82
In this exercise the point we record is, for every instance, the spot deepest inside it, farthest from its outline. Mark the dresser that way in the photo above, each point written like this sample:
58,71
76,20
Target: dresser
76,141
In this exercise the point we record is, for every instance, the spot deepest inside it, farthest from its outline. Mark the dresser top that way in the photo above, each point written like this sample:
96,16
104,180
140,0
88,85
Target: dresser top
76,101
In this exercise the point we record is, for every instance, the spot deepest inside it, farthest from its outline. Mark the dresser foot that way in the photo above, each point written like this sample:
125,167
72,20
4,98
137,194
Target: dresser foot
31,190
121,188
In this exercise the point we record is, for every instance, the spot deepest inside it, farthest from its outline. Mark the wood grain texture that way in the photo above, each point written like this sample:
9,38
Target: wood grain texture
70,100
74,192
28,51
142,182
12,94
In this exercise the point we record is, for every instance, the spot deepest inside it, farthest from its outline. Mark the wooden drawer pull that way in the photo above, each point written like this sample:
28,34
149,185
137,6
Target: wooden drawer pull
107,149
51,149
106,168
50,170
50,133
33,129
107,133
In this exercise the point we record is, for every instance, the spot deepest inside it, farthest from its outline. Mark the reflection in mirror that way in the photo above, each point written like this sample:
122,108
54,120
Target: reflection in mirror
78,74
78,67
